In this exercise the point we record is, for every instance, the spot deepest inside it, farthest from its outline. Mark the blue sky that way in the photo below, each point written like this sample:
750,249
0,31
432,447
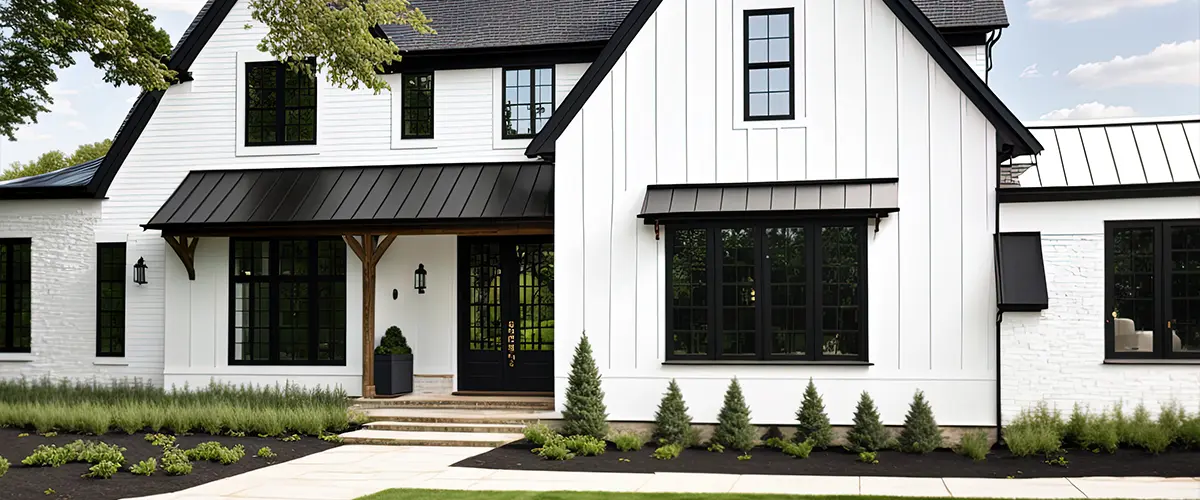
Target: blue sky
1060,59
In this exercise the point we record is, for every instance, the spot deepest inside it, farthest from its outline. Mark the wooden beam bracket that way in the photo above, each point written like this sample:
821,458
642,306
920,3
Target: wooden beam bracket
185,248
369,253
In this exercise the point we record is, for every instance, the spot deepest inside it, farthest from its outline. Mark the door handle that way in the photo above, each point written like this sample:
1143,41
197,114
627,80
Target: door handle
512,344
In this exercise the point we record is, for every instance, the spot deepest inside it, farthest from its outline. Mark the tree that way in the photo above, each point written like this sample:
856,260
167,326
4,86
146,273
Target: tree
585,413
672,424
868,432
56,160
734,429
38,37
921,433
812,422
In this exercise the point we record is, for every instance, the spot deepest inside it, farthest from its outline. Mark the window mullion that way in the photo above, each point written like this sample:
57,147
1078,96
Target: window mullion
273,302
280,110
314,293
762,287
812,254
1163,276
714,306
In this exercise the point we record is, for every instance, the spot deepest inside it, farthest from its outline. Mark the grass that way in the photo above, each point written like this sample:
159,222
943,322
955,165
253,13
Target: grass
131,407
570,495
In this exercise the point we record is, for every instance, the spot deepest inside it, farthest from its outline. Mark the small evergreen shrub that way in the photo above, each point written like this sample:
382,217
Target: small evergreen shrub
868,457
628,441
716,448
103,470
734,429
672,424
1076,426
393,342
921,433
812,424
1171,418
1147,434
539,434
265,452
3,466
668,451
145,467
586,446
584,413
798,450
1098,434
1189,432
868,432
974,444
175,462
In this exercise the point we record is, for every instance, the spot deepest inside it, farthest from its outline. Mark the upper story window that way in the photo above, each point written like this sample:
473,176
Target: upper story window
528,101
110,299
770,56
770,291
1152,289
15,297
281,105
417,106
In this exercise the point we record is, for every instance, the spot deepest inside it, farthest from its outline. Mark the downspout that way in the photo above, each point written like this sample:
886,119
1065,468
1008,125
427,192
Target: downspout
987,50
999,314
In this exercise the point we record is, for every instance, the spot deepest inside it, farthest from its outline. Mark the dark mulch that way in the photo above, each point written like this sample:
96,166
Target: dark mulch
999,464
23,482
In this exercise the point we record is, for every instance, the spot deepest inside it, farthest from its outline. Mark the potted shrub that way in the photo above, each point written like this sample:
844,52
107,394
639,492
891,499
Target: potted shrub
393,364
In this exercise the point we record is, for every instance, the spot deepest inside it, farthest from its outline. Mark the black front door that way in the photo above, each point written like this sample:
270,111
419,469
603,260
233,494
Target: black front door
506,314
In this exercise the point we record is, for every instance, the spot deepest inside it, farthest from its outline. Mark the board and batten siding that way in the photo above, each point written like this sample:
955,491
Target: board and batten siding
874,105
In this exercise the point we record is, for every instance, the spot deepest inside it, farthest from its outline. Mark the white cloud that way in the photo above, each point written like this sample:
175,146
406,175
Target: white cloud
27,133
184,6
63,106
1082,10
1030,71
1090,110
1055,73
1169,63
77,125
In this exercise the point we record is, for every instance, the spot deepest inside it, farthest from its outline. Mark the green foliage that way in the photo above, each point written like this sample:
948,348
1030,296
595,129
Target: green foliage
812,422
540,434
1189,432
393,342
48,456
974,444
734,429
175,462
555,449
160,440
584,412
265,452
1142,432
868,457
50,434
212,451
23,435
49,491
95,408
3,466
1060,461
145,467
103,470
586,446
330,438
775,442
868,432
672,424
1035,431
90,452
798,450
1094,433
744,456
1171,418
921,433
668,451
628,441
716,448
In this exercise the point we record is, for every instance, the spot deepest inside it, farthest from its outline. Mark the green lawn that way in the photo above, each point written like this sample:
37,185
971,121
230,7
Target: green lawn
563,495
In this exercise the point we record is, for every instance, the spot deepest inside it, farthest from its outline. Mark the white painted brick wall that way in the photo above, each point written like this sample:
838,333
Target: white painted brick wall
1057,355
63,302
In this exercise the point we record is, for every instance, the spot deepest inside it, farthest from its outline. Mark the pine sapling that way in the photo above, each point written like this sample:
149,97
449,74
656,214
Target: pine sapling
734,430
672,424
584,413
812,422
868,432
921,433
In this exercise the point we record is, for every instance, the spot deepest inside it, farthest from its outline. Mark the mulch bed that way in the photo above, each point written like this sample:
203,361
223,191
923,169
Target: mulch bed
944,463
23,482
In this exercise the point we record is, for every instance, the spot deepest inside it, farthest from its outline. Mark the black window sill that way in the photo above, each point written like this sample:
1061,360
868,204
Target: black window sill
765,363
1152,361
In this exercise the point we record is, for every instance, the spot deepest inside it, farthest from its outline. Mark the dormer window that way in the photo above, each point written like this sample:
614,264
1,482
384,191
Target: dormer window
528,101
281,105
770,75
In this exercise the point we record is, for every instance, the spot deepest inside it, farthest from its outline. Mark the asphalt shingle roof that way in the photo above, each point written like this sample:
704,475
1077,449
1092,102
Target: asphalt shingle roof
957,14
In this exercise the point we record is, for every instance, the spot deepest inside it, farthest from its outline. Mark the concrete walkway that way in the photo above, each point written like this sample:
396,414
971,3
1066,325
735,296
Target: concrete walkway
351,471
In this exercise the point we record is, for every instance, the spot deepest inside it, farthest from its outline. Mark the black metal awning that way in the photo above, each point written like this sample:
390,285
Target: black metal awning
336,200
1020,273
682,202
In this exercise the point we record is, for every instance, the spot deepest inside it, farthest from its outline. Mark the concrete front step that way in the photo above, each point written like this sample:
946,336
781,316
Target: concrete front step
456,416
446,427
410,438
460,402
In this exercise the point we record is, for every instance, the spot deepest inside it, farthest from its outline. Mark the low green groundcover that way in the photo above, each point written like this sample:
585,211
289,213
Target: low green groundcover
598,495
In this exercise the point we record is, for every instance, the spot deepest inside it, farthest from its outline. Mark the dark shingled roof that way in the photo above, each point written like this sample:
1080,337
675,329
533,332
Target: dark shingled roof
954,15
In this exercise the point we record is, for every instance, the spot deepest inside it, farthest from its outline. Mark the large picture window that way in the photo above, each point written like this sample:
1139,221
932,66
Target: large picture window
15,298
763,292
287,302
1152,289
110,299
770,68
528,101
281,105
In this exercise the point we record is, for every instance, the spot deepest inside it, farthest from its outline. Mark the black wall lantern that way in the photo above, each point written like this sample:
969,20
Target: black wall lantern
139,271
419,278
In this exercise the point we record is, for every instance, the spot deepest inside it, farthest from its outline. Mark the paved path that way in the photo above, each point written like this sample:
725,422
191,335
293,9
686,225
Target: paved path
350,471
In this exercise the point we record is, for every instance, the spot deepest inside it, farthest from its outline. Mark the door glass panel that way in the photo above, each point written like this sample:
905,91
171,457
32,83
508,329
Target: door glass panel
840,307
1133,289
789,290
535,296
737,292
1184,321
689,291
485,322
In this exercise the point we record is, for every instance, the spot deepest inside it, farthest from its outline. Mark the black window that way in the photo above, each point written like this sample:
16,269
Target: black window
110,299
287,302
281,105
770,56
15,298
528,101
770,291
1152,289
417,106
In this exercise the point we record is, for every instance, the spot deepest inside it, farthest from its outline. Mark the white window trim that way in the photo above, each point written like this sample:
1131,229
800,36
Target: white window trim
16,357
398,140
110,362
800,66
240,148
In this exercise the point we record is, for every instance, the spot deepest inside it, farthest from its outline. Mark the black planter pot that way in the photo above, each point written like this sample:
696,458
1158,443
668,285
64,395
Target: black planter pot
393,374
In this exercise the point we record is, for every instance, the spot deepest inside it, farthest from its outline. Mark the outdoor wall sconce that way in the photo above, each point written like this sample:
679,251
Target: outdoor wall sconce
419,278
139,271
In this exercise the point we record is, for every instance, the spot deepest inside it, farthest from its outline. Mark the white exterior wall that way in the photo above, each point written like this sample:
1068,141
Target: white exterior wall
874,104
976,56
429,321
1057,355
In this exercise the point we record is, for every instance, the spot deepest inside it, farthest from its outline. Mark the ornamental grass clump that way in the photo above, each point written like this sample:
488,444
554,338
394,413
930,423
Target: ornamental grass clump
584,413
1035,431
812,424
540,434
734,429
628,441
868,432
921,433
1189,432
1090,432
974,444
672,424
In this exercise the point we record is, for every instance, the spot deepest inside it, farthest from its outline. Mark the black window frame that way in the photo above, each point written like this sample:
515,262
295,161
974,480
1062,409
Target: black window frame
104,346
274,279
790,64
281,109
1162,289
533,102
406,104
10,300
763,353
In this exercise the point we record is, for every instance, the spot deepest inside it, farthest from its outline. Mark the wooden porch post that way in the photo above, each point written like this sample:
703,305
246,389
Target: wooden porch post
369,254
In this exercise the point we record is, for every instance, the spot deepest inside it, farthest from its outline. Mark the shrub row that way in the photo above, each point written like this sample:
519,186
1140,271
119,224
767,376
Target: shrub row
1041,430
